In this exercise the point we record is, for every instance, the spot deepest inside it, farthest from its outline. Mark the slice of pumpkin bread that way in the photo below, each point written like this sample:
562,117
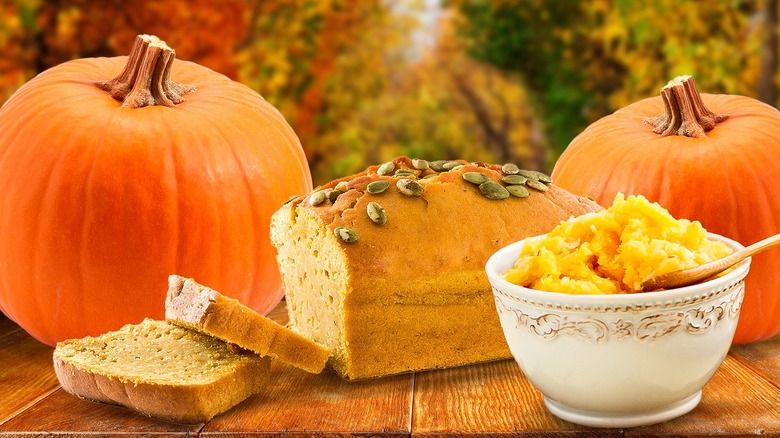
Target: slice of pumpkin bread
161,370
195,306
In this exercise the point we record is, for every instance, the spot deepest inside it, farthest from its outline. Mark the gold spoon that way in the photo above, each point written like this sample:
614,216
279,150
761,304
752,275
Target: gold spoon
704,271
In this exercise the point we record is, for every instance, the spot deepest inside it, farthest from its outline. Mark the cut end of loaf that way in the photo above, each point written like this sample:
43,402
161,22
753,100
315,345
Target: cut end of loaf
314,271
199,307
187,302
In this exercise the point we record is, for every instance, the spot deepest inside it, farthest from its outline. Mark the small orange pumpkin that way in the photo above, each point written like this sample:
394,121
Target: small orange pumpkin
711,158
108,186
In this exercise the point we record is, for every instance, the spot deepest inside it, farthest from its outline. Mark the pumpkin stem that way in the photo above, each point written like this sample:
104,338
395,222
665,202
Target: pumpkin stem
146,78
684,111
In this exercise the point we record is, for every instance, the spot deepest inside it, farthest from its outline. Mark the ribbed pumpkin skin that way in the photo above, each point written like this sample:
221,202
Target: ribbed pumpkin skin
726,180
101,203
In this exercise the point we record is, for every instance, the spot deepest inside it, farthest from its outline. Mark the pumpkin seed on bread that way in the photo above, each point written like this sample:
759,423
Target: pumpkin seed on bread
390,273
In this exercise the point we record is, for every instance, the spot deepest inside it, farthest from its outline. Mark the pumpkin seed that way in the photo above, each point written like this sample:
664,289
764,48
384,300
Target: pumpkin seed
451,165
409,187
406,172
317,198
493,190
342,186
543,177
431,175
529,174
420,164
458,167
519,191
292,198
386,169
376,213
514,179
536,185
475,177
377,187
437,165
333,195
346,234
510,169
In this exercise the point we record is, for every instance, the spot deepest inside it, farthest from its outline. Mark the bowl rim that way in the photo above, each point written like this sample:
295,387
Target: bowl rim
506,256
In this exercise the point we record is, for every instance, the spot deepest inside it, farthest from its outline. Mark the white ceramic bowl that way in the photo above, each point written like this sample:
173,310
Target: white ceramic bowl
618,360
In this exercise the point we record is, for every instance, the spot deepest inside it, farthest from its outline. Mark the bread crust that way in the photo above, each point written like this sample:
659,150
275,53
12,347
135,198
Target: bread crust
161,371
180,404
198,307
416,294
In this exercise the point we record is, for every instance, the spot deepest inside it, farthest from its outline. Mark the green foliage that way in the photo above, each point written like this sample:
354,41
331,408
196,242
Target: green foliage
537,42
581,60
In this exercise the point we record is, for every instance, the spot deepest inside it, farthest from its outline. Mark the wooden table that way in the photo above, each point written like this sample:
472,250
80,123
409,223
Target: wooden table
743,398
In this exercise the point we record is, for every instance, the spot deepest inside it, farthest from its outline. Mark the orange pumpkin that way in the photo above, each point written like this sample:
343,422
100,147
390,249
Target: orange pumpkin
108,186
712,158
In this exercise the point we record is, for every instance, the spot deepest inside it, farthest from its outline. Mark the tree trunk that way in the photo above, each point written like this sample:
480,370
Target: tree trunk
495,138
767,91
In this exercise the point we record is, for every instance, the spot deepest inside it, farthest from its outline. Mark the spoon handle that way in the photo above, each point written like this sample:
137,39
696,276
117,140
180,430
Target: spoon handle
706,270
760,246
737,256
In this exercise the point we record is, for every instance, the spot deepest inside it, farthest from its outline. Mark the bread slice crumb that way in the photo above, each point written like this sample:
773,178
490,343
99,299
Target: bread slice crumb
161,370
195,306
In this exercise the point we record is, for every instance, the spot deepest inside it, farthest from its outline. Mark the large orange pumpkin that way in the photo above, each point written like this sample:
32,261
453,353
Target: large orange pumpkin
712,158
108,186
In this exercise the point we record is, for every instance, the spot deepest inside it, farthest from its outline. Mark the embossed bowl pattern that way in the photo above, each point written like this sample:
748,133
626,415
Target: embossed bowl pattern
619,360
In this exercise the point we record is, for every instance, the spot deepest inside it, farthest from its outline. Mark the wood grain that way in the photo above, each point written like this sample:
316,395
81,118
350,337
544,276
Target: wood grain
7,326
493,397
734,402
26,374
63,414
298,403
742,399
279,314
762,357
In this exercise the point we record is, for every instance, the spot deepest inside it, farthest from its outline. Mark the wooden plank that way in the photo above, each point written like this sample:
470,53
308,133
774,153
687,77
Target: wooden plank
763,357
301,404
743,398
26,374
279,314
63,414
494,397
735,402
7,326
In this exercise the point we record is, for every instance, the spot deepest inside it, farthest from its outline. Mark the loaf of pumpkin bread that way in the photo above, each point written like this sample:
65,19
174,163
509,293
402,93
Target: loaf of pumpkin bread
386,267
200,308
160,370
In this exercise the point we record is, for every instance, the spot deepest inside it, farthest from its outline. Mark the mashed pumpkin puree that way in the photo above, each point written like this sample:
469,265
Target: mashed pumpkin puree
614,250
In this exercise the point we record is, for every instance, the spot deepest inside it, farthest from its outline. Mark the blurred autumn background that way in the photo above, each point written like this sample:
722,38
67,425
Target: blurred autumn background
362,81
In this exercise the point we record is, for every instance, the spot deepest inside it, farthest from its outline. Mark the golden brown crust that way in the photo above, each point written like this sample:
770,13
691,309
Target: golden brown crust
451,227
181,404
198,307
417,296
